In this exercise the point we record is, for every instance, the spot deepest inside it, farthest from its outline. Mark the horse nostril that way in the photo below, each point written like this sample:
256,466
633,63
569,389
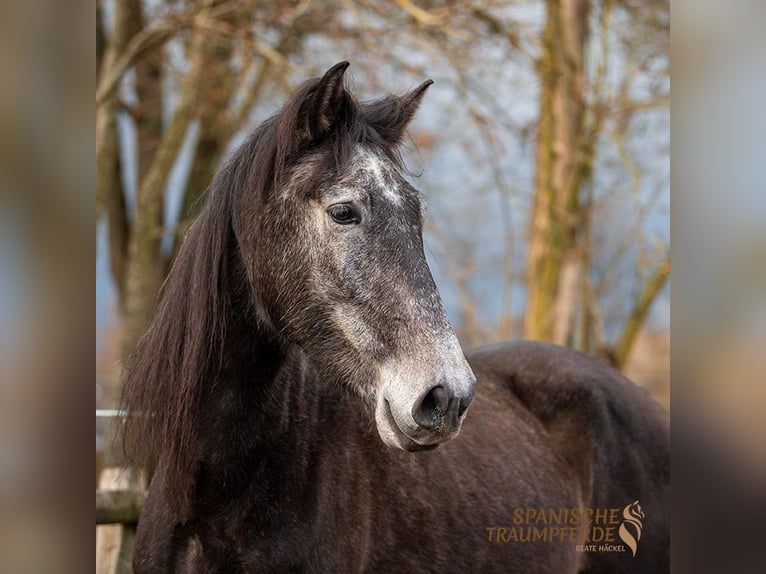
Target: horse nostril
465,402
429,411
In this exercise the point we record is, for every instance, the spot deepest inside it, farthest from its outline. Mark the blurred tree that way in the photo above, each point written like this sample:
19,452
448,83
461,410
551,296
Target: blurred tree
573,109
555,248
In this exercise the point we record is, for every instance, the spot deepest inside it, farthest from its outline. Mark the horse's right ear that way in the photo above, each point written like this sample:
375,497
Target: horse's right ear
324,107
391,115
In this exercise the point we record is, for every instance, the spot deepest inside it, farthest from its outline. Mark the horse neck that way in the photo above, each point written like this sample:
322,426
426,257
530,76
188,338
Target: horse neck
264,399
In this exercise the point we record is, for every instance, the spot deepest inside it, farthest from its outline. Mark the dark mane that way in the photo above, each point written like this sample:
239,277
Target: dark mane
183,348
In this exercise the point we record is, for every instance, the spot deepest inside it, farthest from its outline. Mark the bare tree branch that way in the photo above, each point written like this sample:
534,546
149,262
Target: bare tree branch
154,36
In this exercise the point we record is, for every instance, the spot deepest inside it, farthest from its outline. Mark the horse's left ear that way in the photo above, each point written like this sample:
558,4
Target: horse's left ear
324,106
391,115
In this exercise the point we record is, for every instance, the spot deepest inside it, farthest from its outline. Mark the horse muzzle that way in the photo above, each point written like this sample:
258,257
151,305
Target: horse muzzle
434,417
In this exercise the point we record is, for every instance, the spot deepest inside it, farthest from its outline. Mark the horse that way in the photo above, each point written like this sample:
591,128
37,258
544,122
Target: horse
304,404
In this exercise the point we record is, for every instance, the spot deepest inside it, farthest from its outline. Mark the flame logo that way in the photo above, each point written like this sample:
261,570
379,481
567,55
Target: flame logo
633,517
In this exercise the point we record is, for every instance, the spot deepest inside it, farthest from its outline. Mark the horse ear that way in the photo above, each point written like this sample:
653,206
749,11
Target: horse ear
391,115
324,105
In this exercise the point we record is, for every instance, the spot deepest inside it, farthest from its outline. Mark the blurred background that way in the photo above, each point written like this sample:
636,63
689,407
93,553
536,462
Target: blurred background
542,152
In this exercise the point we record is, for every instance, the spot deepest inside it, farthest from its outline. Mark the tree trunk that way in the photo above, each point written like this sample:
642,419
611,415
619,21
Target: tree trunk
149,128
556,219
110,195
214,134
144,258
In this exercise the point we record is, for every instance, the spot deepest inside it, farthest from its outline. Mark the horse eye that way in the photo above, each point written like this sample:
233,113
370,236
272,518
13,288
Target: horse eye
344,214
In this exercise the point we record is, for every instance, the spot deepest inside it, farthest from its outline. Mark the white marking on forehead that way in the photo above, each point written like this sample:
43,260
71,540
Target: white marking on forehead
376,167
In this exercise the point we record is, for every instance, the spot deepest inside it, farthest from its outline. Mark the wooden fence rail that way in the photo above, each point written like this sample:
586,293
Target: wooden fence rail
118,506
